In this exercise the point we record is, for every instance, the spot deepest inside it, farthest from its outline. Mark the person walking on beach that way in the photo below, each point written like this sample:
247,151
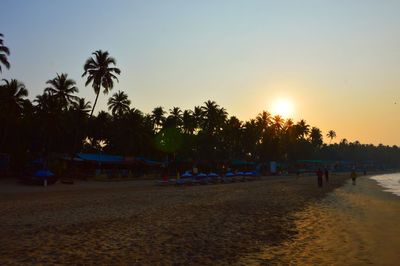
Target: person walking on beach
353,176
319,177
326,173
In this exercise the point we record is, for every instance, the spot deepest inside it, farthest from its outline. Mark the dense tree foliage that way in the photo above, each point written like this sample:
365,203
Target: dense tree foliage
58,121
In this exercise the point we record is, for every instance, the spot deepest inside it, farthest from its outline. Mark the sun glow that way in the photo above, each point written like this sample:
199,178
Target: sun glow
283,107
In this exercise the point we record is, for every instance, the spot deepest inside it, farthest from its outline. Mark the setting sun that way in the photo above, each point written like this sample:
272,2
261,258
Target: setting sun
283,107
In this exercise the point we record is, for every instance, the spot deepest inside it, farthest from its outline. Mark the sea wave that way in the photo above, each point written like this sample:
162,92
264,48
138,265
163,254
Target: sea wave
390,182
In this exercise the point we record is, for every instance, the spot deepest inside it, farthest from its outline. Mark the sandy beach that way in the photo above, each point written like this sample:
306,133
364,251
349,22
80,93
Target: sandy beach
272,220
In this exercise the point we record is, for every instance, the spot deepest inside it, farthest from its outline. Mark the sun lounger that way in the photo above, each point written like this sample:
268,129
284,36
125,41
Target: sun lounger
228,177
250,176
213,178
201,178
239,177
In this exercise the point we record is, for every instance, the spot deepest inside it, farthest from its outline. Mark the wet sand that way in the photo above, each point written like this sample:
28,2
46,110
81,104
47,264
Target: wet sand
114,223
354,225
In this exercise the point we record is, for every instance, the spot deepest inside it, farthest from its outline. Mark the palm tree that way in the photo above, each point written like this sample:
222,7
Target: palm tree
82,106
175,117
100,73
331,135
214,116
4,52
277,122
263,120
119,103
316,137
198,116
45,103
12,95
63,88
302,128
12,101
188,122
158,118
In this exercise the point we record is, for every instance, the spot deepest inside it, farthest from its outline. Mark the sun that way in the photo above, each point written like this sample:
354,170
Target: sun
283,107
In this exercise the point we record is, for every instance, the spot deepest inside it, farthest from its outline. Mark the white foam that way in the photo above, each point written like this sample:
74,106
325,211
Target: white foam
390,182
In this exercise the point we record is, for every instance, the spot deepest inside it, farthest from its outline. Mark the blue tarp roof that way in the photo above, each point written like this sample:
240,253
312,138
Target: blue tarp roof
101,158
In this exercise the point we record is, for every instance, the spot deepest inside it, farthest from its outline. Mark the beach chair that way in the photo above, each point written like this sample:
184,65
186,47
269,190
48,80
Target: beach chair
250,175
240,177
213,178
228,177
201,178
185,179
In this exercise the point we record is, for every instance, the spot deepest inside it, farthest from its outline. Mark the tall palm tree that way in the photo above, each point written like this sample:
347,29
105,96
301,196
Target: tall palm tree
277,122
188,122
214,116
303,129
198,116
119,103
12,101
175,117
63,89
316,137
158,118
263,120
4,52
12,95
331,135
100,73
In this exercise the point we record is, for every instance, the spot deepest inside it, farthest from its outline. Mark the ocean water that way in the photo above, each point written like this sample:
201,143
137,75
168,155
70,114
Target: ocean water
389,182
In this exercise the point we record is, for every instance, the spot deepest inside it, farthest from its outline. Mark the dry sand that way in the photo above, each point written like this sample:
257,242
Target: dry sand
120,223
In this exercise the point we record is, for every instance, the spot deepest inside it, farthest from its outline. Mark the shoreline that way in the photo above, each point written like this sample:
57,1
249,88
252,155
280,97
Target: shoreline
136,223
353,225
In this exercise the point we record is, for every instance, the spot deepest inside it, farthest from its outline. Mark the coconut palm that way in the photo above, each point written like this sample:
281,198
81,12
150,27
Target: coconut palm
175,117
331,135
4,52
12,96
82,106
303,129
277,123
198,115
158,118
316,137
63,89
12,101
188,122
119,103
263,120
214,116
100,73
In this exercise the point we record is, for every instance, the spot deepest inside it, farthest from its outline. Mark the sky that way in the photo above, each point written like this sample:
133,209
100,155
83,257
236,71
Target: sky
336,62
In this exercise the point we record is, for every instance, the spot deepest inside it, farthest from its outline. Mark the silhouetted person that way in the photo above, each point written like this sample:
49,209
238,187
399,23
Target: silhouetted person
319,177
326,173
353,176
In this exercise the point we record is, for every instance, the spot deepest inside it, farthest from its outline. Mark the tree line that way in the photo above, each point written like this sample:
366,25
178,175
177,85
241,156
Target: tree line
59,121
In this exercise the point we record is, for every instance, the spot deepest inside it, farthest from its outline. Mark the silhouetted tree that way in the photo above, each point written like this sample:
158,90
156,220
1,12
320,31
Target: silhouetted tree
100,73
4,52
331,135
62,89
119,103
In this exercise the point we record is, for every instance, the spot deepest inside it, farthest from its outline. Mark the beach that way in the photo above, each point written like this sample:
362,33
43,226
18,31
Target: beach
274,220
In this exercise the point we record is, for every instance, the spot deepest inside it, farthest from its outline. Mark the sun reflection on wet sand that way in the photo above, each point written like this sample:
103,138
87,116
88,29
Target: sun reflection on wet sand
355,225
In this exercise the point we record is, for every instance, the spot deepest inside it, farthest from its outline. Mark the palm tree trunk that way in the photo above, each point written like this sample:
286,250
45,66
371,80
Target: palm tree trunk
94,105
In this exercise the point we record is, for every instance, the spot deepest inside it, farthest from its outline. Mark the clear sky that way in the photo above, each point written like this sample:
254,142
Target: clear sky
338,61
